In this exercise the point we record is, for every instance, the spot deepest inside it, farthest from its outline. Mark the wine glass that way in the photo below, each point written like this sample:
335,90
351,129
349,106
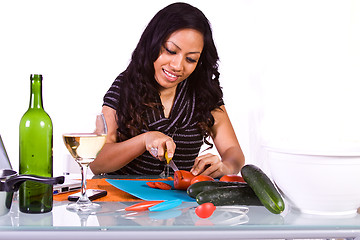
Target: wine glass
84,147
166,172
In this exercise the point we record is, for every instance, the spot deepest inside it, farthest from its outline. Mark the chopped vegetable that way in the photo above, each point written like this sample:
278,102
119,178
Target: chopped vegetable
201,178
162,185
232,178
182,179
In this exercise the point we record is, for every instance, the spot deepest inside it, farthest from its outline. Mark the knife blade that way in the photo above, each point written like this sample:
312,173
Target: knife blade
170,162
165,205
173,166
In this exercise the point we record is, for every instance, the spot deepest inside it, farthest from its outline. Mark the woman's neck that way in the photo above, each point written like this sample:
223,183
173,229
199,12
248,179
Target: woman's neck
167,97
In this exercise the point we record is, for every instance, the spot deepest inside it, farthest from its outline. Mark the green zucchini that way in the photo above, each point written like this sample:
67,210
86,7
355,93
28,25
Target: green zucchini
229,195
195,188
263,188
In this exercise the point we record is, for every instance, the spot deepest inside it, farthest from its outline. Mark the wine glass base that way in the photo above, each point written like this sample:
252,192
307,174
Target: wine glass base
83,207
166,172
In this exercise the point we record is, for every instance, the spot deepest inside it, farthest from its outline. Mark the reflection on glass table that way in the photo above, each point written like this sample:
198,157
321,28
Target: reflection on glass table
258,222
183,215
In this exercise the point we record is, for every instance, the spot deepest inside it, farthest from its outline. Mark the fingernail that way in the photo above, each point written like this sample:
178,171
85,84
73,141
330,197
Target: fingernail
194,172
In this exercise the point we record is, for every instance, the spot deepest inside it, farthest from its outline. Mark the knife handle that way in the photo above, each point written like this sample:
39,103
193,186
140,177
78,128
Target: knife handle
142,206
167,158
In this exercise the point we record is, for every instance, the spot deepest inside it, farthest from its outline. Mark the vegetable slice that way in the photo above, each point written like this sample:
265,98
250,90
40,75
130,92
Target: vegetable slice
151,184
162,185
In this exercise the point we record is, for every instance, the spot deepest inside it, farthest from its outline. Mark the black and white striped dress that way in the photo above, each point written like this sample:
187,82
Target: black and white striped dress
180,125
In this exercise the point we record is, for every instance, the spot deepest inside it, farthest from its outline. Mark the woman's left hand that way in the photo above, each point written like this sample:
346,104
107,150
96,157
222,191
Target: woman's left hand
211,165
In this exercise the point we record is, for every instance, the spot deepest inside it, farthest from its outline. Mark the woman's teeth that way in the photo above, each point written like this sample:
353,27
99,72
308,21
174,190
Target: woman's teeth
169,74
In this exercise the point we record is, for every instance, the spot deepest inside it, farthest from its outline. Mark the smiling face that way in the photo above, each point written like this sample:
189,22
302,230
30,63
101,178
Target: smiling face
178,57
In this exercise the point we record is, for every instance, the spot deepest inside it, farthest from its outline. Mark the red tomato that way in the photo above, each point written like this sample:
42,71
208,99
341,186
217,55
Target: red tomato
162,185
151,184
182,179
205,210
201,178
232,178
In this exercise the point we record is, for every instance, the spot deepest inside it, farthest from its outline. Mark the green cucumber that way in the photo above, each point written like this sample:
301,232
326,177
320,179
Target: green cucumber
229,195
195,188
263,188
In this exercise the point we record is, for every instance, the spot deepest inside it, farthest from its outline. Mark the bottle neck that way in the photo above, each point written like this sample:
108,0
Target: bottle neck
36,92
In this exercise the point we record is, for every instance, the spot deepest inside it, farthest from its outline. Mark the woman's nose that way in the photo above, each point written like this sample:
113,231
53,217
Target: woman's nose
176,63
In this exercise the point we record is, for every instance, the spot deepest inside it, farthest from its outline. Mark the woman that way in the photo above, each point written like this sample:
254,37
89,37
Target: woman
169,100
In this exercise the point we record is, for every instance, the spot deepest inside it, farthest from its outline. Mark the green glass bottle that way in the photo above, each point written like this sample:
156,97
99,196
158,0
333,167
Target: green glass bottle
36,152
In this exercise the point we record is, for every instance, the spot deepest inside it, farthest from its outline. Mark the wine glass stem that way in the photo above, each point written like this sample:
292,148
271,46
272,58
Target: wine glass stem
84,168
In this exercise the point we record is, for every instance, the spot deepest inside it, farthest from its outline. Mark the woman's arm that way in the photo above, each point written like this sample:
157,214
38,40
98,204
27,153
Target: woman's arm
115,155
232,157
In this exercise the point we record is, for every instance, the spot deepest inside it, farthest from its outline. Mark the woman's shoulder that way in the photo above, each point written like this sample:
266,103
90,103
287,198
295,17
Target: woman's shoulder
112,96
119,80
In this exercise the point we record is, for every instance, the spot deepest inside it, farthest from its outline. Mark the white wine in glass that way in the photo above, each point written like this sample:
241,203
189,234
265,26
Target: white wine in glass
84,148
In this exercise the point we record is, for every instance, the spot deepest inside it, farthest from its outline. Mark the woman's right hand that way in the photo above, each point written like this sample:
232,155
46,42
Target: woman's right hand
157,140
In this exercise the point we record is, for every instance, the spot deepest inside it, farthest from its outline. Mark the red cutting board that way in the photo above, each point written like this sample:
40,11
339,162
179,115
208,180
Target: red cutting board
138,188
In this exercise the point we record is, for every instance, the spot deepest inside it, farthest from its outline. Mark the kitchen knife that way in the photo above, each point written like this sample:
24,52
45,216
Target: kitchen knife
170,162
165,205
137,207
173,166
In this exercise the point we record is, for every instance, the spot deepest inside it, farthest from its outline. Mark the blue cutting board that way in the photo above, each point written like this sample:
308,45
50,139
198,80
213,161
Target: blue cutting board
138,188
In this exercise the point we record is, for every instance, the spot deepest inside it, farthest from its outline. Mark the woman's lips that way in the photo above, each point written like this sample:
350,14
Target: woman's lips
170,76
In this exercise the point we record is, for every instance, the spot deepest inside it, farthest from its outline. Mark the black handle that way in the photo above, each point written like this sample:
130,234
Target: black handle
13,184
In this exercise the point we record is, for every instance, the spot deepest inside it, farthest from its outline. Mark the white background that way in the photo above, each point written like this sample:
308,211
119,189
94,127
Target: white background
289,69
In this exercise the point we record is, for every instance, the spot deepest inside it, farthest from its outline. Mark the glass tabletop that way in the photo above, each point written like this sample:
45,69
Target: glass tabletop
182,220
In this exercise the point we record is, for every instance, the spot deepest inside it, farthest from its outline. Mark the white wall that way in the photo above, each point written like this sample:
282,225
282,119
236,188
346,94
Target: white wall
289,69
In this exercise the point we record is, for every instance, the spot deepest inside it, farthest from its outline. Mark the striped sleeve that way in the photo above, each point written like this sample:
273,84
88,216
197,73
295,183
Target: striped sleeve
111,98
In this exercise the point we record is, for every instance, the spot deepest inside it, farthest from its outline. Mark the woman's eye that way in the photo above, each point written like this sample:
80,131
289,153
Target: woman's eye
169,51
191,60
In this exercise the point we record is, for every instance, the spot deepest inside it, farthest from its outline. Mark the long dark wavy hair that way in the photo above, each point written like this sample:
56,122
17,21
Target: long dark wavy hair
139,89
